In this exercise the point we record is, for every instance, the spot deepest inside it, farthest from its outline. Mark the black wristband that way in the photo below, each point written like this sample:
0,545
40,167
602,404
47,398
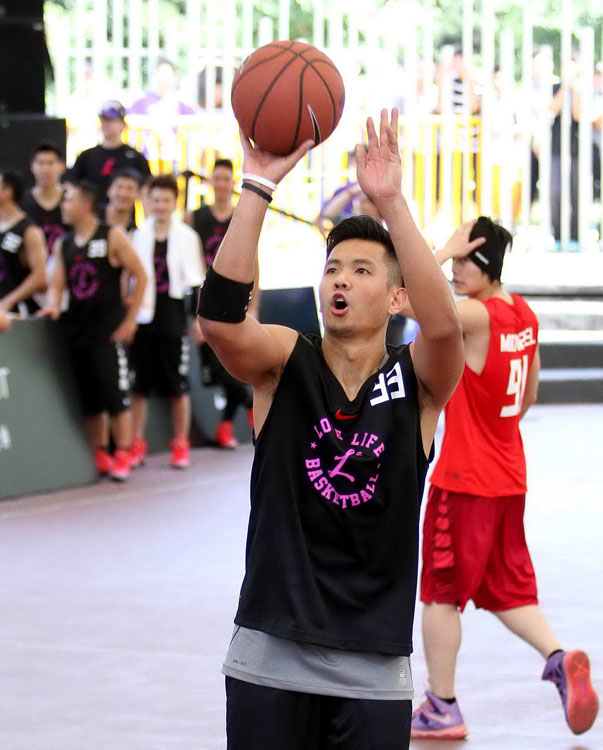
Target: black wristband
223,299
257,190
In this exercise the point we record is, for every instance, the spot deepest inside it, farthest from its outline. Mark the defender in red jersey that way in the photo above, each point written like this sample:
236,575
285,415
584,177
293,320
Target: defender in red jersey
474,545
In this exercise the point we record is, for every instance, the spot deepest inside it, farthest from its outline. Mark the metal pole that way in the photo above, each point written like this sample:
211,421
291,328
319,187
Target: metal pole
487,45
283,19
507,163
468,145
566,120
545,95
526,116
585,137
427,126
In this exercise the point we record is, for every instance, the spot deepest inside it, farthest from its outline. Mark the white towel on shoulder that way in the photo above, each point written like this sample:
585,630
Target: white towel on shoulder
183,261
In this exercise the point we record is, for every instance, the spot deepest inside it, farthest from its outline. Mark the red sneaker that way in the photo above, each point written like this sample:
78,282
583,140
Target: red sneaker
180,453
224,435
121,466
103,461
138,452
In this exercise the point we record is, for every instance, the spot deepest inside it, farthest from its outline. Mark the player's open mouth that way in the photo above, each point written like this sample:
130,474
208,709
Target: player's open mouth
339,304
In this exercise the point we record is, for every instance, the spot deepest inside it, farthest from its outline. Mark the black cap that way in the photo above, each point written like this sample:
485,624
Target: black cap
112,110
489,256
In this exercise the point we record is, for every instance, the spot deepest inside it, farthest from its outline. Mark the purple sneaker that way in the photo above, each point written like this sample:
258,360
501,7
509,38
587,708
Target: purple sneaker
438,719
570,671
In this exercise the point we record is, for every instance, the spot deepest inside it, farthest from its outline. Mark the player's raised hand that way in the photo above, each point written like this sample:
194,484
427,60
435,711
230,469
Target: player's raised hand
270,166
459,245
379,165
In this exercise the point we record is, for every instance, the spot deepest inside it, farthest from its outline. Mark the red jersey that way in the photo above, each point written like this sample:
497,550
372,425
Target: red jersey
482,451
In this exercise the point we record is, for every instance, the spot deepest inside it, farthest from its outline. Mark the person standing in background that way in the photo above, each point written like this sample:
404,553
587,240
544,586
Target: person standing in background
211,222
42,203
99,163
171,255
22,250
89,262
124,191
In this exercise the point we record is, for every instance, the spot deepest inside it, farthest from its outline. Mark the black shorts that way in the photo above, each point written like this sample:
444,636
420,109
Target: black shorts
264,718
161,364
102,377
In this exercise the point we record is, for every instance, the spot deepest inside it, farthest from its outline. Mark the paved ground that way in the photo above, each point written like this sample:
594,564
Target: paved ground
116,604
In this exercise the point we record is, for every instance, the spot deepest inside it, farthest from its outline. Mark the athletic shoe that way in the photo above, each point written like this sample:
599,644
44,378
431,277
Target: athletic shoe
436,719
180,453
103,461
121,466
138,452
570,671
224,435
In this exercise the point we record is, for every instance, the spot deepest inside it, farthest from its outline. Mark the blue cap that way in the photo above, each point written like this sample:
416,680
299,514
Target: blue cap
112,110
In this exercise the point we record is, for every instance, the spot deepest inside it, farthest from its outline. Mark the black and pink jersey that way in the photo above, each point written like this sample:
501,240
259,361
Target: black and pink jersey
13,270
95,304
211,231
336,491
48,219
170,313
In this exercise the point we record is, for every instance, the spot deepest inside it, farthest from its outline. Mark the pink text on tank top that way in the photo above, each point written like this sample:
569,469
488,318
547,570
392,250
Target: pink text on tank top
349,477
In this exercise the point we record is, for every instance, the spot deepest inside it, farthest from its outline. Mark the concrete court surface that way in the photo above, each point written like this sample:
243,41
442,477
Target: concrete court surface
116,604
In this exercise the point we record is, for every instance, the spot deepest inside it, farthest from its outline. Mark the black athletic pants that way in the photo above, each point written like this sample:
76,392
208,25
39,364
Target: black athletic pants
263,718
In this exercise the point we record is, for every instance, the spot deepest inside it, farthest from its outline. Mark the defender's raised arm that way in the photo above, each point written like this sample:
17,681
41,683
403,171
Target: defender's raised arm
438,351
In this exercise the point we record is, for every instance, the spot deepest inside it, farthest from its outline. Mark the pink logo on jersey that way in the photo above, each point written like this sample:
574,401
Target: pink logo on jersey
162,277
344,466
83,280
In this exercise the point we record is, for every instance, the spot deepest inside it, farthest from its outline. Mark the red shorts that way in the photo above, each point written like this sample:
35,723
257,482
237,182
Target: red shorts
475,548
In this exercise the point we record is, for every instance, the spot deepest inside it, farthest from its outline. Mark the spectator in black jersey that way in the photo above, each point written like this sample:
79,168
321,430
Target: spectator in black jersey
170,253
123,192
98,164
42,203
22,250
345,428
211,222
89,262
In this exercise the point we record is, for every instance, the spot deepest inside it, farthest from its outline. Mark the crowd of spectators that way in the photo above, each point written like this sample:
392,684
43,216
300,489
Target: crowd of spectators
123,294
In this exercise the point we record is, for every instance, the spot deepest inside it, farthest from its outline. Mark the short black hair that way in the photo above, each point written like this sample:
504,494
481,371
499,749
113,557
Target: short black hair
367,228
47,147
227,163
88,190
129,173
15,182
165,182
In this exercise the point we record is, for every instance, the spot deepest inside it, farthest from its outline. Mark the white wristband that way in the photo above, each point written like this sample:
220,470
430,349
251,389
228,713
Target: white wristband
260,180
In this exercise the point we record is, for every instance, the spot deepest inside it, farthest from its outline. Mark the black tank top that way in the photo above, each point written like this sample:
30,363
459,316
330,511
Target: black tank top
12,269
95,305
49,220
211,231
336,487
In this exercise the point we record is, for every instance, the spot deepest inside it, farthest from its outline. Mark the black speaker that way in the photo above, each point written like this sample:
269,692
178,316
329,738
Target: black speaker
20,134
31,9
24,60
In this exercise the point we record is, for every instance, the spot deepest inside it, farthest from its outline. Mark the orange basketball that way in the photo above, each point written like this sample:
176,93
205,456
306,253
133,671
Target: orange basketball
286,93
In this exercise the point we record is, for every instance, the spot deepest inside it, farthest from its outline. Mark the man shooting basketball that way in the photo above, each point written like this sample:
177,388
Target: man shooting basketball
345,426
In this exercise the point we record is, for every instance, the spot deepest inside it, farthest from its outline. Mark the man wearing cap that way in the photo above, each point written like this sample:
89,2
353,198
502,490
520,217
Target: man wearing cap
474,545
98,164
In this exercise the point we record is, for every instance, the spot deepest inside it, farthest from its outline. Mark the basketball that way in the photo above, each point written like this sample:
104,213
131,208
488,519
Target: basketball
286,93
